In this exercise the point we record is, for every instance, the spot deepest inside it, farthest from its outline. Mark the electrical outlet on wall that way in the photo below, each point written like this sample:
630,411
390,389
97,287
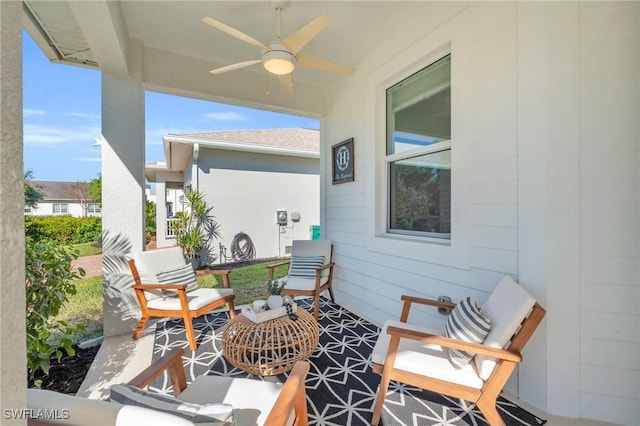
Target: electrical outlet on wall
444,299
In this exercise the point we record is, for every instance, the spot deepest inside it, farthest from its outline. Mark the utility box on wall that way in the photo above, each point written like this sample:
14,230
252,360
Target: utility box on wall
315,232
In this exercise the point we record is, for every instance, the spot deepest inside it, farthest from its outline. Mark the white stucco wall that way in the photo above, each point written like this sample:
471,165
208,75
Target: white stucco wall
246,190
544,188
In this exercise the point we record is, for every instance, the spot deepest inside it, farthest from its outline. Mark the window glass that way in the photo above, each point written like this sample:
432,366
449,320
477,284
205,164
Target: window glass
419,108
418,150
421,194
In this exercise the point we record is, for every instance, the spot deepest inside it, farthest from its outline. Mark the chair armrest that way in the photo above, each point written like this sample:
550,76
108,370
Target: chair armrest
408,300
272,267
327,266
292,397
454,343
223,272
160,286
171,361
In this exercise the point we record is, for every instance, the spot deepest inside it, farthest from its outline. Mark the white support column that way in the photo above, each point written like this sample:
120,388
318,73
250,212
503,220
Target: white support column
123,197
13,357
161,213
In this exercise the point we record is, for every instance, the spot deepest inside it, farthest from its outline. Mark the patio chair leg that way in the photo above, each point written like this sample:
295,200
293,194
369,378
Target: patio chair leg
232,309
191,337
490,412
140,326
316,304
377,408
331,294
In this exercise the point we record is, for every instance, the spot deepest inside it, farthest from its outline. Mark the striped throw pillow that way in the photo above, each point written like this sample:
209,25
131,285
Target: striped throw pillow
182,275
196,413
468,324
305,266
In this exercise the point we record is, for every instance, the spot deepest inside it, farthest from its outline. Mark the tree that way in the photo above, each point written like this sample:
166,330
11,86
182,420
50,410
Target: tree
95,190
80,191
33,194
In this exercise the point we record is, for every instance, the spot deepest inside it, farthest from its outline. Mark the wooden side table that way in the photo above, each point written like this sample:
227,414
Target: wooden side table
271,347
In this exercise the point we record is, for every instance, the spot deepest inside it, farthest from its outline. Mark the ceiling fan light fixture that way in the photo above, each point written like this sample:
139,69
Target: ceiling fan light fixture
279,62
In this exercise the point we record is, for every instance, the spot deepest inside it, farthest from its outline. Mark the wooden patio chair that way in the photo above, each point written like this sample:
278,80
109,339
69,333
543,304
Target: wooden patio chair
310,270
253,402
419,356
165,286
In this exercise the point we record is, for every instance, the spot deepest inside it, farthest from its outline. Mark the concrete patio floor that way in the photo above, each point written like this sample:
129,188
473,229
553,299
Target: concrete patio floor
121,358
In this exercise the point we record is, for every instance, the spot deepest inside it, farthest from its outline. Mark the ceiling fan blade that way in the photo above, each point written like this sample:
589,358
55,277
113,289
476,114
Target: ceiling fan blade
304,35
286,81
308,61
233,32
234,66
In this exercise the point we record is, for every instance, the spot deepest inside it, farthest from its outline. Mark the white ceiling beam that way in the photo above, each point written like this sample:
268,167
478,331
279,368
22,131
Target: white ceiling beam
104,28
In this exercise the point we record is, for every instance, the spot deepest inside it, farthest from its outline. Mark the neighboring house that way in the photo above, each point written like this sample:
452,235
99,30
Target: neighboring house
174,199
248,176
62,198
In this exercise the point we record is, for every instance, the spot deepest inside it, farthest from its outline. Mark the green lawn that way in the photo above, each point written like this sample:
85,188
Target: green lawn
85,307
87,249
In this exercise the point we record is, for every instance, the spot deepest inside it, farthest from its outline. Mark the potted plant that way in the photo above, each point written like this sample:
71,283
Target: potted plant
275,287
195,228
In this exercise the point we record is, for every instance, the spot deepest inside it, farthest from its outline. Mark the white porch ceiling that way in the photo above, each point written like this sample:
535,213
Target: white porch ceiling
174,41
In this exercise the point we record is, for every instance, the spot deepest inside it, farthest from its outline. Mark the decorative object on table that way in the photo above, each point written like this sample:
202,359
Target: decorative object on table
342,154
292,315
266,314
275,288
259,305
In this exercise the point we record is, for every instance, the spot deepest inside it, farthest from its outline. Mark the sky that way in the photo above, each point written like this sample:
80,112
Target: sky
62,105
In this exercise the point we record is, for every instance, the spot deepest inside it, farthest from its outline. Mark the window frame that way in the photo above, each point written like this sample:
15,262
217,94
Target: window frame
389,159
454,252
64,208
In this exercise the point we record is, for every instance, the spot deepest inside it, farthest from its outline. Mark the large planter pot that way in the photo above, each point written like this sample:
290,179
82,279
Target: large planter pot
274,301
195,262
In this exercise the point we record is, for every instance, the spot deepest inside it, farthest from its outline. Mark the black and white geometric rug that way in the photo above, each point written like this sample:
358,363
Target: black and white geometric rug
341,388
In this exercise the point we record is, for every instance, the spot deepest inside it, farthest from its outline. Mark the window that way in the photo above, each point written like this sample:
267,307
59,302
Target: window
60,208
418,153
93,208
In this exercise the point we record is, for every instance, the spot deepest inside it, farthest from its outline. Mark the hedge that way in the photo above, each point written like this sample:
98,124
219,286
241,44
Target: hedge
63,229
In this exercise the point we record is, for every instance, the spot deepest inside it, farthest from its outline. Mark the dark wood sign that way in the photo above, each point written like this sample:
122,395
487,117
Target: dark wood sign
342,155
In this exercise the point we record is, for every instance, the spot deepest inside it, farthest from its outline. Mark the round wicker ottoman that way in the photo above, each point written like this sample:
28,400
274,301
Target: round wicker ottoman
271,347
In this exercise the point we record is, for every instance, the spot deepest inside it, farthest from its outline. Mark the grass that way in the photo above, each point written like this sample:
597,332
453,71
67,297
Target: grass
87,249
85,307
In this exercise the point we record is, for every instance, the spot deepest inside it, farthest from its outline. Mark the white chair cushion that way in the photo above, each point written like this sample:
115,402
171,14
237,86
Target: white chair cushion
85,412
208,414
150,262
506,307
130,415
298,283
197,299
423,359
252,400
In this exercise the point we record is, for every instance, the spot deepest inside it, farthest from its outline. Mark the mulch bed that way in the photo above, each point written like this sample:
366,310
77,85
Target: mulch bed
66,375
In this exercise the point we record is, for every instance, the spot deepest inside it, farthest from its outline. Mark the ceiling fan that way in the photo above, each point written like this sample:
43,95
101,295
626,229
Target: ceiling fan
281,57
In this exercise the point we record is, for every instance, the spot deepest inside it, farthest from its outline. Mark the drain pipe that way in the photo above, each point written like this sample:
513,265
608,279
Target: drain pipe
194,167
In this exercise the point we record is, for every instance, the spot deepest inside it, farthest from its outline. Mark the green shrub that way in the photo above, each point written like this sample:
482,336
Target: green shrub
49,281
63,229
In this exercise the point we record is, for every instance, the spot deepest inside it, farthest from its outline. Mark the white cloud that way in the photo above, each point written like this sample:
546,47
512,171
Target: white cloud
89,159
225,116
84,115
27,112
50,136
